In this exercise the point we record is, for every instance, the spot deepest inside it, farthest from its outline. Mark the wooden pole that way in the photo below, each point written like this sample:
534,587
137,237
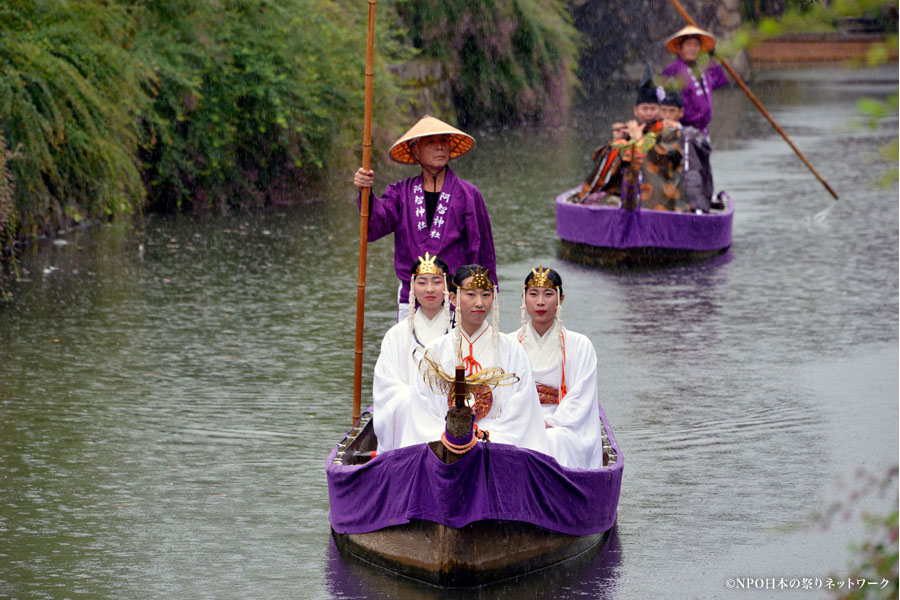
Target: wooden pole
758,104
364,217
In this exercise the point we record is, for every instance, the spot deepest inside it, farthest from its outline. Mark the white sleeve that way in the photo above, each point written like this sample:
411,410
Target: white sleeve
575,437
521,421
390,390
580,404
426,412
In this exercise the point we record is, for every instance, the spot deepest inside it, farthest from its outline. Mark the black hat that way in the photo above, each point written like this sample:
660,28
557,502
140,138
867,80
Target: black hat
673,98
649,92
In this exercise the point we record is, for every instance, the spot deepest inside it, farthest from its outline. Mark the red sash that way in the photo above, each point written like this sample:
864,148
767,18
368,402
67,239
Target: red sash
547,394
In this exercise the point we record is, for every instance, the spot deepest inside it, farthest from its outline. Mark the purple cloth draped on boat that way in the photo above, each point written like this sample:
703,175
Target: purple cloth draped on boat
612,227
500,482
459,233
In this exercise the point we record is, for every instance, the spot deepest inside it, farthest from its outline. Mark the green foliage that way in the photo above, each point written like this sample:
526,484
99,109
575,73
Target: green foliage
70,97
9,222
201,103
509,61
875,558
811,15
251,96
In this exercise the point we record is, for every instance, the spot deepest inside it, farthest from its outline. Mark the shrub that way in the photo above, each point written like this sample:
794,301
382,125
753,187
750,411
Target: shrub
510,61
252,97
70,97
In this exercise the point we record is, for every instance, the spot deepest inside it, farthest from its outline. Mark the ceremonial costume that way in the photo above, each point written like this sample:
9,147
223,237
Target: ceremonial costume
574,437
395,368
460,231
512,414
652,169
644,172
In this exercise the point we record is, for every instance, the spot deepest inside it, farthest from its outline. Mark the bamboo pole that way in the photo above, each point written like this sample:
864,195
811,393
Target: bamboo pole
364,217
758,104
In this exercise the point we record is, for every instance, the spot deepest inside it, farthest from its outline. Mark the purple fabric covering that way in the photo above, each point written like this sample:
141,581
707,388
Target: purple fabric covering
697,103
611,227
501,482
459,234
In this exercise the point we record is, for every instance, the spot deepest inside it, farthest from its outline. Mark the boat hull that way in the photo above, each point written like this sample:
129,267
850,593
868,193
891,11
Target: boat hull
476,554
805,49
613,237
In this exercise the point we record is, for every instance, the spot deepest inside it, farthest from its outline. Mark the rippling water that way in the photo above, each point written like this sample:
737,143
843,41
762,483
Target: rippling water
169,396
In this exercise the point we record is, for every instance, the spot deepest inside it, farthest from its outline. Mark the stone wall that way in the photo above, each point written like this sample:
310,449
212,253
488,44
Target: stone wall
426,86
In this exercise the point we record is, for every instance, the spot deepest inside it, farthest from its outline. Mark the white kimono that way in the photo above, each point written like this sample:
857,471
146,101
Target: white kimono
394,369
574,436
515,413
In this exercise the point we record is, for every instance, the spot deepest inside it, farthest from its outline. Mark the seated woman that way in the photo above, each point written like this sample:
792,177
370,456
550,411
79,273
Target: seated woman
510,412
397,361
564,366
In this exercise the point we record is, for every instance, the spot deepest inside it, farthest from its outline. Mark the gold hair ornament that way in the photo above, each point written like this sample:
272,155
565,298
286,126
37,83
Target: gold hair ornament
540,278
427,266
480,281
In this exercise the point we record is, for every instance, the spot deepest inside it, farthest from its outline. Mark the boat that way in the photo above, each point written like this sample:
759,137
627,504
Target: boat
806,49
494,513
611,236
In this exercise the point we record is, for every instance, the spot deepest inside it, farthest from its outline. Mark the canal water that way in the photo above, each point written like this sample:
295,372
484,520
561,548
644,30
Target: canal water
168,396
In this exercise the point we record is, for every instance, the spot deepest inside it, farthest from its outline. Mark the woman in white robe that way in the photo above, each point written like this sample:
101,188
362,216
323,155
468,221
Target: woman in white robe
397,362
510,412
564,365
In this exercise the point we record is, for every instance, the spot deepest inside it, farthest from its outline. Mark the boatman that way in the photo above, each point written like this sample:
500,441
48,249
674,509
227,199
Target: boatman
435,211
506,408
697,85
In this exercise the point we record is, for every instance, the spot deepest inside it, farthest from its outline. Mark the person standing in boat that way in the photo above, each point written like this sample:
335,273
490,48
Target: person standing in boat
429,318
564,366
697,85
510,413
434,211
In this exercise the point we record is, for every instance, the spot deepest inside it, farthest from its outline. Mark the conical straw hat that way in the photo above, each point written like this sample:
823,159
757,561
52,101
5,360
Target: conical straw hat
460,142
707,40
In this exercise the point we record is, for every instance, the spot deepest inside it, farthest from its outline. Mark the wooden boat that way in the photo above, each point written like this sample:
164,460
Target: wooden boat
498,512
805,49
613,237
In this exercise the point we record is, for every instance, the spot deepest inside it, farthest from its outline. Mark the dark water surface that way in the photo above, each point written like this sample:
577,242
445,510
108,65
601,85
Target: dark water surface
168,398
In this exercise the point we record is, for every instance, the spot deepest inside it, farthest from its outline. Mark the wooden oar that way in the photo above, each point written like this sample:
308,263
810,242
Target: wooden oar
758,104
364,217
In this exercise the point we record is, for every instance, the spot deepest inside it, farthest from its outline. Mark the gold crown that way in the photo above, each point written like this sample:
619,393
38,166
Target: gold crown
427,266
540,278
480,281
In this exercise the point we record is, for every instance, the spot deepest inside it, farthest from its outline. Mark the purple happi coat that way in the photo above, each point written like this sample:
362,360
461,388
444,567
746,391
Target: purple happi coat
697,93
459,233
